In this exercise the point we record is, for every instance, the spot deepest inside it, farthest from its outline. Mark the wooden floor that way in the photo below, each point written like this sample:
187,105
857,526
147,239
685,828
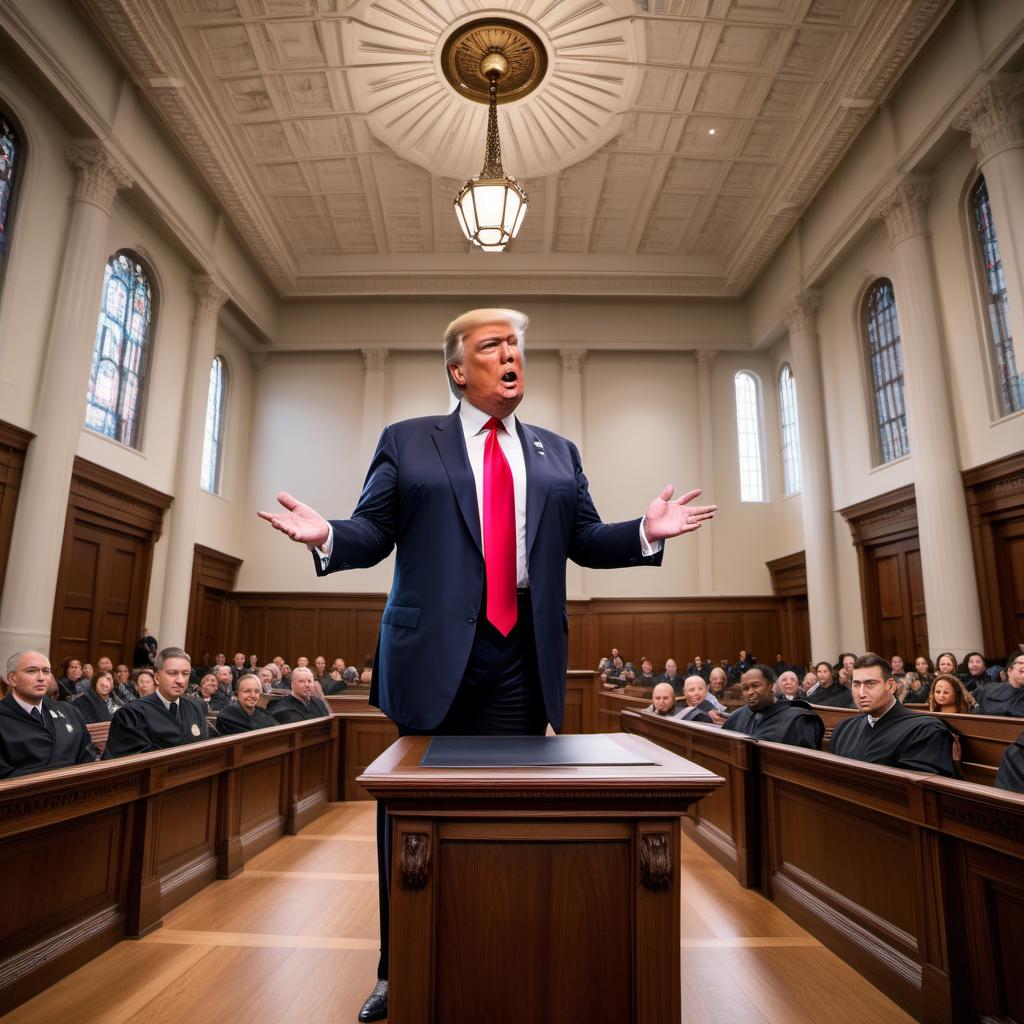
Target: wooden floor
293,940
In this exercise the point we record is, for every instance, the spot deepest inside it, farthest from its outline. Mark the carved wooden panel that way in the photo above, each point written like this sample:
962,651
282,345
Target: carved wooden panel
209,607
14,443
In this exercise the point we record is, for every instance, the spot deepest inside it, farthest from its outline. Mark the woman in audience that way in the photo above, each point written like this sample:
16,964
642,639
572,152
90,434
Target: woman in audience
949,696
145,684
974,671
245,714
208,686
70,673
97,703
945,664
925,669
917,692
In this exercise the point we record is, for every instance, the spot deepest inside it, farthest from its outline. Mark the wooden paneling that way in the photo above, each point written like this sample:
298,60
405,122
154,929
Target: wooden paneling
884,531
995,505
14,443
102,590
209,606
789,584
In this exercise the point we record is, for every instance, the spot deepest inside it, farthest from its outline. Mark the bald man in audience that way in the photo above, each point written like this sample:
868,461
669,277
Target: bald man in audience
163,719
697,707
787,686
887,732
663,701
37,733
302,704
776,720
671,676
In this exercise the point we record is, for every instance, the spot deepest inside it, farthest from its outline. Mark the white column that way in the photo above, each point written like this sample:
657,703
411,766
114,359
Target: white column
26,613
375,383
995,119
816,486
181,537
947,562
573,361
706,467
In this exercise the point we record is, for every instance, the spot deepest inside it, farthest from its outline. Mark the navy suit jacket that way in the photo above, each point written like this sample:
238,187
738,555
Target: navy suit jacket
420,496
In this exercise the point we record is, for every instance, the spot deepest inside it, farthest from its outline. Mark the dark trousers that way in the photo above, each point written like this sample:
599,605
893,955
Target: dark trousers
500,694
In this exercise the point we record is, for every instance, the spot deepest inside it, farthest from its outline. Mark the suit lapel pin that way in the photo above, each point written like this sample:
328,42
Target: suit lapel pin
539,446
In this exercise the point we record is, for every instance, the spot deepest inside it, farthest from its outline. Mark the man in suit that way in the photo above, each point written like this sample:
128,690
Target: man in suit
36,733
484,511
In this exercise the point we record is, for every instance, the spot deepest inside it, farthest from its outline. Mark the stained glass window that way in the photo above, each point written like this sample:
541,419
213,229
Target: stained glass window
213,436
885,352
790,427
119,358
748,433
9,152
1009,383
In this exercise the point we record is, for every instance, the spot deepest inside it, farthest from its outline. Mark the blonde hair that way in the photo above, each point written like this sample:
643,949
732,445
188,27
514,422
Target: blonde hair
470,320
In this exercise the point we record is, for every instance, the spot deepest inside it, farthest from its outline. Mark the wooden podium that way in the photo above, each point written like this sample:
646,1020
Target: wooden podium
535,895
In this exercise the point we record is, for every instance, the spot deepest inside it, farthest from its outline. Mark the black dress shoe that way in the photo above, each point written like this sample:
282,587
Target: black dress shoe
376,1005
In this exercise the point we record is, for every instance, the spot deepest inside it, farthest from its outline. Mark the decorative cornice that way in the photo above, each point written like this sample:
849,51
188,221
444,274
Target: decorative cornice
801,315
573,360
375,360
99,176
209,297
905,209
995,116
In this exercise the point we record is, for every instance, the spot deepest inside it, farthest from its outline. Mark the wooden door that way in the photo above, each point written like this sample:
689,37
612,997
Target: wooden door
1009,561
895,601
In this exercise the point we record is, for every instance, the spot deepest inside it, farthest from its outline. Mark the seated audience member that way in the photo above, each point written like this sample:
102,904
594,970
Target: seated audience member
224,694
716,687
787,686
97,704
266,676
145,651
87,673
1011,768
949,696
671,676
70,673
699,667
254,663
925,669
208,687
334,674
302,704
846,660
163,719
697,706
974,671
366,672
124,692
897,666
663,701
145,684
617,676
343,681
238,667
888,733
810,681
945,663
37,733
917,692
245,714
828,690
646,676
780,666
320,668
1004,698
778,721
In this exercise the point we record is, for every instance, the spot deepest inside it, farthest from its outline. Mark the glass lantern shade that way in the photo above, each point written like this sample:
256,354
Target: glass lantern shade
490,211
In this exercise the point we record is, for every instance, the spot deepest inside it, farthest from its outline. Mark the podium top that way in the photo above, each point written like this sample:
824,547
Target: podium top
659,776
528,752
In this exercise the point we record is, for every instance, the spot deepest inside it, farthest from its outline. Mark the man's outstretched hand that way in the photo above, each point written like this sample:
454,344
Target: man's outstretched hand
667,518
300,522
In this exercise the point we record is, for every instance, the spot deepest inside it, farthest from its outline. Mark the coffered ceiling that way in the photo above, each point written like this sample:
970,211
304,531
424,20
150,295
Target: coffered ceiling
667,151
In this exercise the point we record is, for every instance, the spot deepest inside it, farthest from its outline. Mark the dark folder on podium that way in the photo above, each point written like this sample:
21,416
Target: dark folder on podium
527,752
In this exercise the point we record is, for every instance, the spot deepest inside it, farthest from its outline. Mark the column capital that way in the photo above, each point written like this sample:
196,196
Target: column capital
573,360
994,116
801,315
375,360
99,174
705,358
209,297
905,208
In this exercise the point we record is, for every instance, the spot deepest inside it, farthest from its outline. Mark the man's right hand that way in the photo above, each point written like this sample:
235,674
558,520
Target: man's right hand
300,522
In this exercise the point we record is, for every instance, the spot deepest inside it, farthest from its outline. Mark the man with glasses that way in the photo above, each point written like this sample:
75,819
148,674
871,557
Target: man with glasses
36,733
889,733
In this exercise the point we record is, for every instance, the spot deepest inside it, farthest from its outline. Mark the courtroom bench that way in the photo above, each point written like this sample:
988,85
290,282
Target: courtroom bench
107,849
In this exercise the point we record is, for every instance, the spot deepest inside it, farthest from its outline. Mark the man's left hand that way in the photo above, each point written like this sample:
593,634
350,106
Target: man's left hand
667,518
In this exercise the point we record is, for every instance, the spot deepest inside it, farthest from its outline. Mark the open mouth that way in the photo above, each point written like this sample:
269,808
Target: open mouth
509,378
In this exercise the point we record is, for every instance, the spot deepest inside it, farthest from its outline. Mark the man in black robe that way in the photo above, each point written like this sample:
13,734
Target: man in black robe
1011,768
245,714
36,733
778,721
1004,698
302,703
163,719
829,690
646,677
889,733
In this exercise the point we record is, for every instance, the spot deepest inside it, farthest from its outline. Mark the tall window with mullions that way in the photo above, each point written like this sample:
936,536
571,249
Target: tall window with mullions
119,358
885,357
10,155
1009,383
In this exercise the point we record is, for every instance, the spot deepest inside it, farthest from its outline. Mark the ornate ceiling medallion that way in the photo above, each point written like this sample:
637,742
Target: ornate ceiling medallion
469,44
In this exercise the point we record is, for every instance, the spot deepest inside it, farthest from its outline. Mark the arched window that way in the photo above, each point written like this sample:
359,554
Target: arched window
213,435
882,330
1009,383
748,435
10,153
789,423
119,358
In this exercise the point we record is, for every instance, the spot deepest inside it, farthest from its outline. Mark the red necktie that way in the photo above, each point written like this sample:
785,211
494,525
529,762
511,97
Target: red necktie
499,533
